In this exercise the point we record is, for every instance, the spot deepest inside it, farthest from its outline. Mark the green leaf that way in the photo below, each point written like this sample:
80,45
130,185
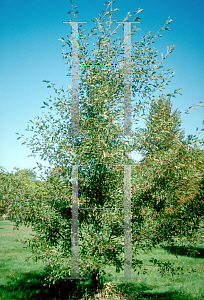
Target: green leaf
137,19
139,10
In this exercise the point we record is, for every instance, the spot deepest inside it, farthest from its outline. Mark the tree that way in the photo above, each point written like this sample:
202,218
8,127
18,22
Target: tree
26,173
163,129
164,188
2,205
97,152
168,180
16,188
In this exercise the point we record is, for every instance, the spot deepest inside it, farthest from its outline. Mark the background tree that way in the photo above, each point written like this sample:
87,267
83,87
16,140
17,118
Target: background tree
26,173
16,189
97,151
3,207
167,182
163,128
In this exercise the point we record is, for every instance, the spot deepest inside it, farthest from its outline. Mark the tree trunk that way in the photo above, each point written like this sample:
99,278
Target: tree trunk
95,281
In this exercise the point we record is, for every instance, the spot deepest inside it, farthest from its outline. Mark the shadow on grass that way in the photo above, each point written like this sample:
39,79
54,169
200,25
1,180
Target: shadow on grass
30,286
185,250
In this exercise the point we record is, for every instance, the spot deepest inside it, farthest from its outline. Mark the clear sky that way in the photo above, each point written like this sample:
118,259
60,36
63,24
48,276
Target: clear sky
31,52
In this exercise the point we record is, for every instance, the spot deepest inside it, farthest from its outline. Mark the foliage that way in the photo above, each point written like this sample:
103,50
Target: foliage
167,182
2,205
163,128
27,174
46,206
13,184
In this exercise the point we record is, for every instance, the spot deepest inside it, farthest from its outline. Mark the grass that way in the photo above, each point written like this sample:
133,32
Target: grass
20,279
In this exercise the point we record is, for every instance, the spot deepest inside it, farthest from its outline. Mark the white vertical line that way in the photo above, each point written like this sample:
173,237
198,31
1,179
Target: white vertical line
75,227
127,222
75,82
127,79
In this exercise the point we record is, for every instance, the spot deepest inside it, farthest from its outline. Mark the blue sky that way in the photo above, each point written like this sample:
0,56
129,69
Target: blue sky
30,52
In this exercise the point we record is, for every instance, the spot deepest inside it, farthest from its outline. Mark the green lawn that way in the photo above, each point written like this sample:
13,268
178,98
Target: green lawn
20,279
